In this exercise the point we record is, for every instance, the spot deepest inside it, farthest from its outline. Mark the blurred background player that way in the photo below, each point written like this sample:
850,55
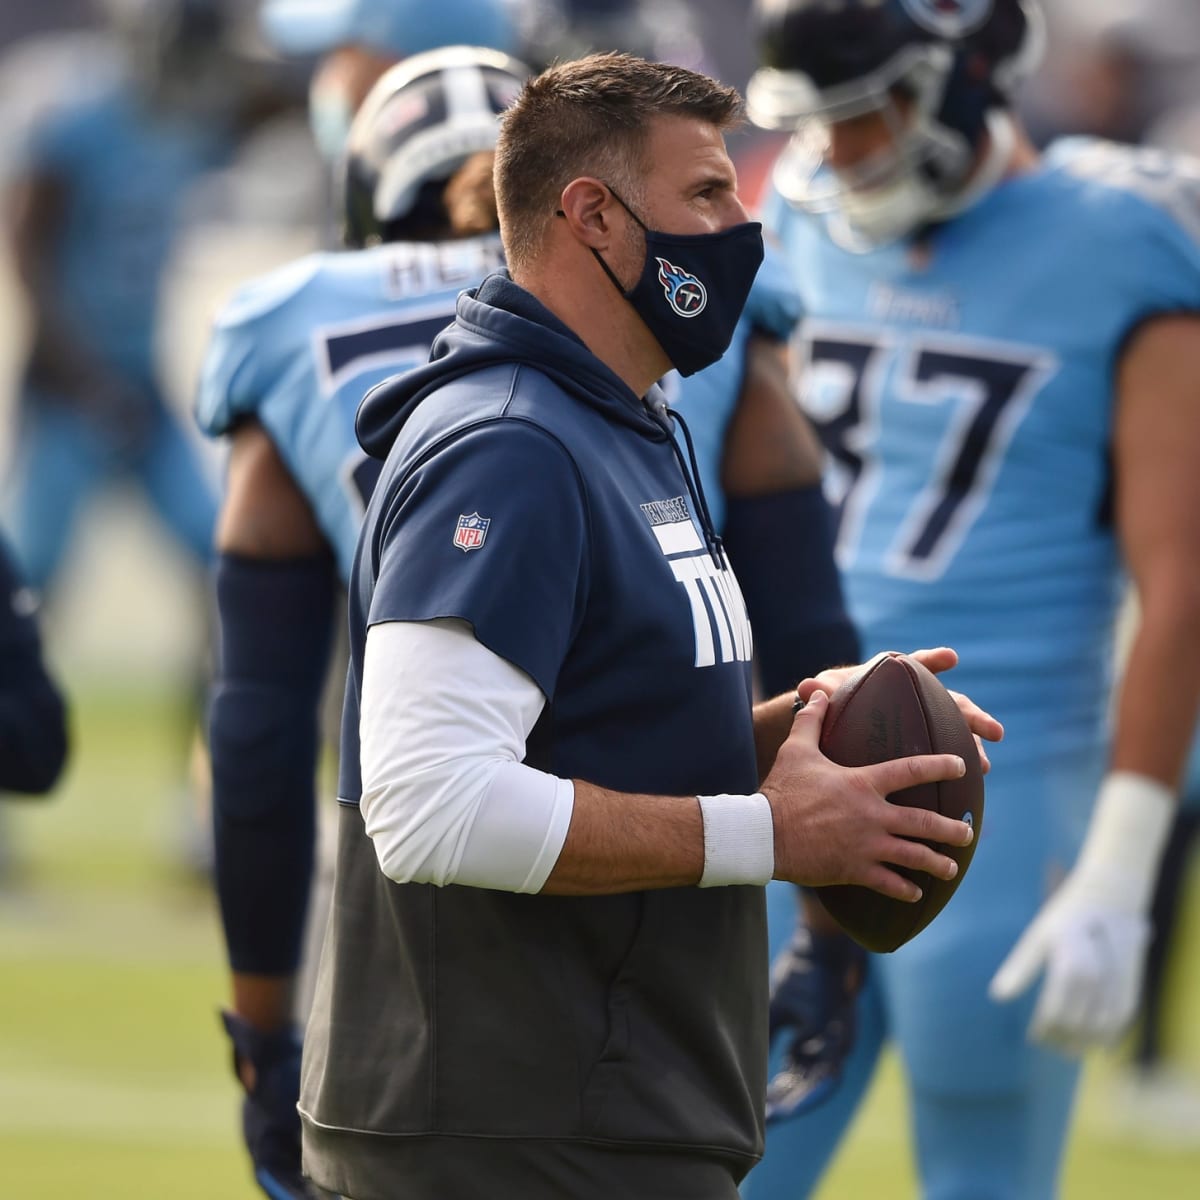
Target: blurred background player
1010,419
291,357
113,133
1131,72
97,186
33,719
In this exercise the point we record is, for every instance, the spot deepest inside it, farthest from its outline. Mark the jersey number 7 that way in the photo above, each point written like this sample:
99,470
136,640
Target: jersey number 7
357,356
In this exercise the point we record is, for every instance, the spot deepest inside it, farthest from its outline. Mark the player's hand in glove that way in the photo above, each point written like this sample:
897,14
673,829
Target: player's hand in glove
1090,937
814,989
268,1065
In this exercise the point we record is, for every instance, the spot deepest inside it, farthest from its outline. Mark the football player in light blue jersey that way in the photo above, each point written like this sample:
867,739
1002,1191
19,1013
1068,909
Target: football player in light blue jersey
1001,353
116,132
106,136
289,360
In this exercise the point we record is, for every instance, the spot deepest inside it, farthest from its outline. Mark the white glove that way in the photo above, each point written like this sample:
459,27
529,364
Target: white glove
1090,937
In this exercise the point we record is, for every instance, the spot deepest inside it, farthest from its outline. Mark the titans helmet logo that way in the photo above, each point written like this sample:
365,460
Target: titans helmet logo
949,18
685,293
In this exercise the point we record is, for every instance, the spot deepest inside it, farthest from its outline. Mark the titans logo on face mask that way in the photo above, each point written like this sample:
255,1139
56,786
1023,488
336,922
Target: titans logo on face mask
685,293
693,288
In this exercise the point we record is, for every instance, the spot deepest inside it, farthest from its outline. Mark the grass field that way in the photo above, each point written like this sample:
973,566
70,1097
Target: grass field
113,1072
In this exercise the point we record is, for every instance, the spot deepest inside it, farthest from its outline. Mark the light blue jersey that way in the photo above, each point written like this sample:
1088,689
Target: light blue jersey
298,349
964,388
966,401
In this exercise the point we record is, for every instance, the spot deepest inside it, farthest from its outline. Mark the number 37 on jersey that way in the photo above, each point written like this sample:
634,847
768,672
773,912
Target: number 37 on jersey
951,405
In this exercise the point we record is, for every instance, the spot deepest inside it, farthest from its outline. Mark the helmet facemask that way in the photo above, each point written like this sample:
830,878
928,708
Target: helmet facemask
941,95
907,182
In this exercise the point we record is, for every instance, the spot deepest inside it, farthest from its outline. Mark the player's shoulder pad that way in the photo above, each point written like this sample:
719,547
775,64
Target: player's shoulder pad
1168,181
252,337
774,306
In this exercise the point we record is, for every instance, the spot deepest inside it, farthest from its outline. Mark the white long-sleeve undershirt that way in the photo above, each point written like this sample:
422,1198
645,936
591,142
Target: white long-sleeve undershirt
442,731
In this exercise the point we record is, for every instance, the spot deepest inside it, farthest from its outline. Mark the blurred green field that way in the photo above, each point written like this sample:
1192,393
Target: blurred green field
113,1072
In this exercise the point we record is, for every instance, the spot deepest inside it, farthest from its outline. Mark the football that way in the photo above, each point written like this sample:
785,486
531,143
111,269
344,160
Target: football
892,709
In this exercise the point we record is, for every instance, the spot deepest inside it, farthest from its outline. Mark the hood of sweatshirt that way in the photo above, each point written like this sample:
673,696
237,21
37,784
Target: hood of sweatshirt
500,323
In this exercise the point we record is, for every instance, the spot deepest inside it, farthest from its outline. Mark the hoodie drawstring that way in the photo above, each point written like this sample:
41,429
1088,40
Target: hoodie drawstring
692,477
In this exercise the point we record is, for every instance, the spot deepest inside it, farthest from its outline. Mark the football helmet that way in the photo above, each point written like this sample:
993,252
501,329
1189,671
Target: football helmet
939,72
420,122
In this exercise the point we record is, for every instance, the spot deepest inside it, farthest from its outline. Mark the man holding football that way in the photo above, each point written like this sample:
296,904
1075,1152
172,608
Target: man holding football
558,803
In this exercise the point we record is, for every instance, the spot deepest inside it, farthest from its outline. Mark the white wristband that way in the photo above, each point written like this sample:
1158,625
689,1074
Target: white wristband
739,840
1127,834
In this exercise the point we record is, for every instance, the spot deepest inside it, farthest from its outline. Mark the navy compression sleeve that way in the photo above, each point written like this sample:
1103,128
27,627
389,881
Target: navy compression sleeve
275,624
781,546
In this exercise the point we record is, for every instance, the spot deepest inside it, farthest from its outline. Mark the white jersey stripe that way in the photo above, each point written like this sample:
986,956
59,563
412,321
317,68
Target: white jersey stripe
677,537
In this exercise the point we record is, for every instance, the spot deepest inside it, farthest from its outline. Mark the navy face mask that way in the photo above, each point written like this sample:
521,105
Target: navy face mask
693,289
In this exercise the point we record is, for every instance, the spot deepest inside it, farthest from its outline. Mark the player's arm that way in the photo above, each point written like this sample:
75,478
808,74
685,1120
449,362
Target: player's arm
447,799
779,534
1090,937
275,587
770,447
617,842
264,514
274,584
1156,449
33,727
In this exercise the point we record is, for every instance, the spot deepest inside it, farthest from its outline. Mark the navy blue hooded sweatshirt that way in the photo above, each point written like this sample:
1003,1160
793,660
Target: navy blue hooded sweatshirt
474,1042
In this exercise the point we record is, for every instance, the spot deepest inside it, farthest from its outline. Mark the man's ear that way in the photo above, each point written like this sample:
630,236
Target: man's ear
586,206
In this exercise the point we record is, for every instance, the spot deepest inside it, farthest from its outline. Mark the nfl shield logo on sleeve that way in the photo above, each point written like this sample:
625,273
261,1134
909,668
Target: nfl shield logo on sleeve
471,531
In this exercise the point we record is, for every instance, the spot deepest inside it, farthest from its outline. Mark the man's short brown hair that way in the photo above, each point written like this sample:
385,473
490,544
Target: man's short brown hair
589,117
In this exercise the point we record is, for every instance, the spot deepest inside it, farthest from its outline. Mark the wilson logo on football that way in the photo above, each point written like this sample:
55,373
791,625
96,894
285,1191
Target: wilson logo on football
471,531
685,293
